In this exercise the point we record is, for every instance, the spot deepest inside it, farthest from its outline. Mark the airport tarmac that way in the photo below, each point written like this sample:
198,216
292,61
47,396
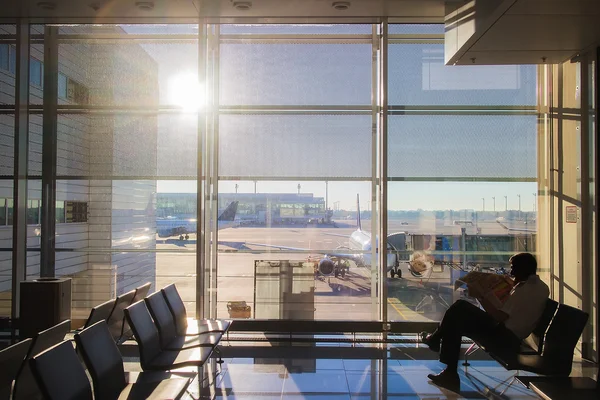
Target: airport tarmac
322,298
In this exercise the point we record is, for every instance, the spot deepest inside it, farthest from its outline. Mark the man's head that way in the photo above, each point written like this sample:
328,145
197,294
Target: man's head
522,266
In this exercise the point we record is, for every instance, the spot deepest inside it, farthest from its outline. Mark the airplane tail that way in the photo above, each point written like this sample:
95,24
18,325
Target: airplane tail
358,226
229,213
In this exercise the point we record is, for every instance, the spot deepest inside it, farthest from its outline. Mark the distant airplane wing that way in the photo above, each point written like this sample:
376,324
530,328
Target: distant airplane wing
325,252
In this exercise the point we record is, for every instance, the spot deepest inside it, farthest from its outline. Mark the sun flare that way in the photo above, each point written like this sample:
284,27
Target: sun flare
186,92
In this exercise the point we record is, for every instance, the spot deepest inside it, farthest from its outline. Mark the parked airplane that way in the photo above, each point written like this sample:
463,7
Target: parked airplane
335,263
183,227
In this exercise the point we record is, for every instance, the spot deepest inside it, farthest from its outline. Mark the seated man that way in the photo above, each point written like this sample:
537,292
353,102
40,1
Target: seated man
501,328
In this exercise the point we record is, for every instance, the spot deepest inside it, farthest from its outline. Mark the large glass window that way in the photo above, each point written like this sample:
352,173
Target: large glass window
462,171
279,140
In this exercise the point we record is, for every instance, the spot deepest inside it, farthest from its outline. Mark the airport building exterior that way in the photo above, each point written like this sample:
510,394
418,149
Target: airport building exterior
253,208
92,214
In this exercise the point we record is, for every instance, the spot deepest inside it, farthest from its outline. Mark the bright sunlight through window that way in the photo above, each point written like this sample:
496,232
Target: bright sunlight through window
186,92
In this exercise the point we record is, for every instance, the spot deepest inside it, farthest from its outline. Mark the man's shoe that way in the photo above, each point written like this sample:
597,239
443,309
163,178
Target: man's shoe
446,379
426,338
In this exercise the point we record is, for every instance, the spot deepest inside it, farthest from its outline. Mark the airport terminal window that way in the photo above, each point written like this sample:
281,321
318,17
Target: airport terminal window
4,51
12,59
60,212
76,211
129,158
2,212
36,70
77,92
62,85
9,211
8,58
33,212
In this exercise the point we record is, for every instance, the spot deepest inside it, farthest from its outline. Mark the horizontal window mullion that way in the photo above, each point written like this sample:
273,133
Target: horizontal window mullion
460,179
461,112
294,178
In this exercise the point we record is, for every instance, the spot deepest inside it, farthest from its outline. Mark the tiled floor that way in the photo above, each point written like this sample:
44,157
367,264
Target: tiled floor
343,371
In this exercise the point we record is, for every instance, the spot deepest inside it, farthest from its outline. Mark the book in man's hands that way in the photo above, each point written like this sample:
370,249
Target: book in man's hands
494,287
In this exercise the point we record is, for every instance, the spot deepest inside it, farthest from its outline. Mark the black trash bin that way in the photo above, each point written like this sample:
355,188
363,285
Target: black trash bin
45,302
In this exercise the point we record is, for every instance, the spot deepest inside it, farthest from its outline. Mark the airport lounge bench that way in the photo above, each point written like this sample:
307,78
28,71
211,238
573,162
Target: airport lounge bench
152,356
61,376
167,331
11,359
105,365
25,385
177,308
552,351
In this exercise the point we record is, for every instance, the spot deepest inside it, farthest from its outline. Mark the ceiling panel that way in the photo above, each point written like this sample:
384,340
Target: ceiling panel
560,7
539,32
529,31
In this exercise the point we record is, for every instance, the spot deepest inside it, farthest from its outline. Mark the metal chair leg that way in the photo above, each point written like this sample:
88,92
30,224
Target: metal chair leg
472,349
514,378
510,381
218,352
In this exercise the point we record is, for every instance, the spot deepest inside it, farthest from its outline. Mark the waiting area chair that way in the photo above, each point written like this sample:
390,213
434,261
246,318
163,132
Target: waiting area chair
116,321
140,293
152,357
177,308
25,384
552,352
167,330
101,312
59,374
105,365
11,360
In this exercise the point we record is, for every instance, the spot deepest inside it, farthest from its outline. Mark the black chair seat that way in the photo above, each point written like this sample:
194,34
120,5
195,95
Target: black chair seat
165,389
168,360
541,365
189,342
201,326
567,388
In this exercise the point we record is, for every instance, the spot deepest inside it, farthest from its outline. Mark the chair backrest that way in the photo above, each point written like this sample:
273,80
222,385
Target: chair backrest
145,331
163,319
140,293
177,308
25,385
11,359
536,339
100,313
102,359
117,318
562,336
60,375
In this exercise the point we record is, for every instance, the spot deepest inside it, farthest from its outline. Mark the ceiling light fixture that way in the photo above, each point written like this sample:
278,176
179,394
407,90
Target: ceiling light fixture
145,5
242,5
341,5
46,5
